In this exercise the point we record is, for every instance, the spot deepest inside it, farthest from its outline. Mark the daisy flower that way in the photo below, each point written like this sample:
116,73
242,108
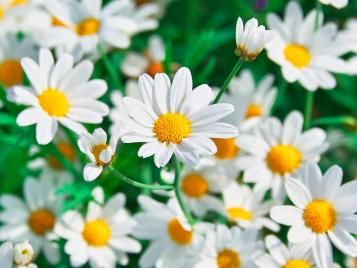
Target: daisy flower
228,248
277,150
34,218
251,39
302,52
102,238
282,256
335,3
97,149
174,119
322,211
174,242
60,94
247,208
19,256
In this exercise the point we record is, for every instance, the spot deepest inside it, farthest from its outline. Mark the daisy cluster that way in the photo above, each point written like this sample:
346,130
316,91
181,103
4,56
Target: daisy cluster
115,151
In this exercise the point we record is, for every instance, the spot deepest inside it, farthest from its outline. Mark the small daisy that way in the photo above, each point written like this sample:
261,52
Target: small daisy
251,39
335,3
322,211
18,256
174,242
102,238
60,94
302,52
100,153
283,256
230,248
34,219
247,208
276,151
174,119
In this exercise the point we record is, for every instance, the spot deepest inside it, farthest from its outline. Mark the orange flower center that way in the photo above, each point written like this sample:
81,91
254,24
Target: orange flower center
67,151
97,233
253,110
283,159
178,234
41,221
228,258
194,185
226,148
10,72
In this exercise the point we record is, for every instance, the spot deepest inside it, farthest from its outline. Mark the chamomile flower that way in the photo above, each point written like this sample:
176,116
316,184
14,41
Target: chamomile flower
174,242
228,248
102,238
23,254
251,39
247,208
280,255
276,151
322,211
335,3
99,151
34,218
60,94
174,119
302,52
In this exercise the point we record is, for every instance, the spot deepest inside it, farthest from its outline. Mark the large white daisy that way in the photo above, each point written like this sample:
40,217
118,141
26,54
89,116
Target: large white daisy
59,94
174,119
275,151
323,210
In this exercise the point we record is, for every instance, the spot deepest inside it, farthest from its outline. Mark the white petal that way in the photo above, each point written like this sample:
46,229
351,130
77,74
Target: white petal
91,171
298,193
287,215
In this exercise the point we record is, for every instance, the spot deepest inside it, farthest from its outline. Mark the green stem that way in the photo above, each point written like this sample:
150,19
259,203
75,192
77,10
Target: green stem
336,120
281,92
228,80
179,195
110,68
139,184
168,57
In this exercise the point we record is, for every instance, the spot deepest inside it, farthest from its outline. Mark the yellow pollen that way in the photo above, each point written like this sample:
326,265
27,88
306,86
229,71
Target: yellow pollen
54,102
172,128
41,221
97,233
88,26
298,55
178,234
67,151
228,258
297,264
10,72
235,213
283,159
154,68
226,148
96,150
57,22
2,13
319,216
18,2
253,110
194,185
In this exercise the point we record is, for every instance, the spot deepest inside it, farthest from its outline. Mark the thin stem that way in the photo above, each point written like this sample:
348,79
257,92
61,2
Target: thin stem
138,184
179,195
110,68
228,80
336,120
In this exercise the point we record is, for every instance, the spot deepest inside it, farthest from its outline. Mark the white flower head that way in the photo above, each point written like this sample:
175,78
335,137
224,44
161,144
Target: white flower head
173,119
23,253
335,3
251,39
323,210
99,151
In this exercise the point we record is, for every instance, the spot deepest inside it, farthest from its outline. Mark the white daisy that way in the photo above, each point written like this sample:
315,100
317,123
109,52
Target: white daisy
322,211
60,94
275,151
102,238
302,52
335,3
247,208
18,256
228,248
174,243
251,39
174,119
34,219
100,153
280,255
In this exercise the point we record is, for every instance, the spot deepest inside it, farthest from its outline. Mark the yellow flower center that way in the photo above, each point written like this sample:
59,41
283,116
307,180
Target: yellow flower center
10,72
253,110
54,102
57,22
2,13
298,55
228,258
67,151
18,2
178,234
88,26
97,233
297,264
226,148
235,213
172,128
155,68
283,159
319,216
194,185
41,221
96,150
